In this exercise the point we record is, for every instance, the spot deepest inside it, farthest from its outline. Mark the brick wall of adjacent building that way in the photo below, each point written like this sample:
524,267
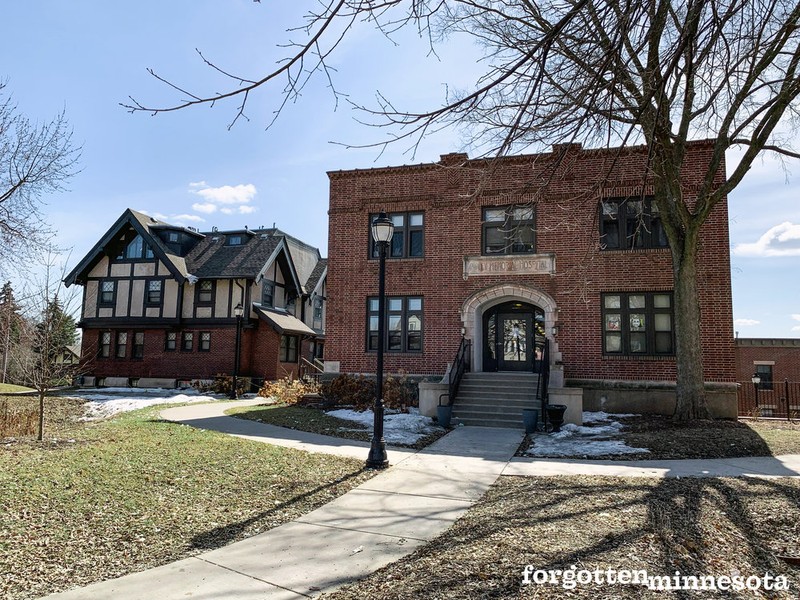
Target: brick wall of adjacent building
784,354
566,200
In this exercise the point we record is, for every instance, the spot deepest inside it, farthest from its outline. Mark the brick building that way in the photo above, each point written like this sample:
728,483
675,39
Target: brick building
159,300
565,246
777,364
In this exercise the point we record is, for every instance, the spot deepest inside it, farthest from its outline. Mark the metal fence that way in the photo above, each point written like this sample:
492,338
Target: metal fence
777,399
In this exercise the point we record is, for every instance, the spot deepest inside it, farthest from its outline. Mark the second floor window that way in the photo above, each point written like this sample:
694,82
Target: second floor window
509,230
317,323
154,291
268,293
205,291
408,238
627,223
108,291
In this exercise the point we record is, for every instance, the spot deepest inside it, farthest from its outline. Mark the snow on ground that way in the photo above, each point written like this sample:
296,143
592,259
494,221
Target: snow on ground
398,428
111,401
576,440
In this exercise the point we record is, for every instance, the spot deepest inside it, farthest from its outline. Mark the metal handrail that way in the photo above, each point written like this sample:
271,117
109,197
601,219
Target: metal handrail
457,369
313,365
543,383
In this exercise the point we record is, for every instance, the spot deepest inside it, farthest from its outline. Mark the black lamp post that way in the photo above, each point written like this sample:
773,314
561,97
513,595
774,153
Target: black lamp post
756,379
238,311
382,231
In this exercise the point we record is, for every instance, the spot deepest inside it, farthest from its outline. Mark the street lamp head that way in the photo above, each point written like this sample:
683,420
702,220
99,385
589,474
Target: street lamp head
756,379
382,228
238,310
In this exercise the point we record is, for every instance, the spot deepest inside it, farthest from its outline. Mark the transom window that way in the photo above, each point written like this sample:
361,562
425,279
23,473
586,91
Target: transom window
509,230
403,324
288,350
627,223
408,238
638,323
154,291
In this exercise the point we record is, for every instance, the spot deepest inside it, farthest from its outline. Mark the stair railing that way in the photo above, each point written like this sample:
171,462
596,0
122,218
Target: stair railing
543,383
457,369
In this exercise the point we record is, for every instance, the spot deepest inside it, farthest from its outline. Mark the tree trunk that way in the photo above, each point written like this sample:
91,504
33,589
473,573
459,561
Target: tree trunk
690,402
40,437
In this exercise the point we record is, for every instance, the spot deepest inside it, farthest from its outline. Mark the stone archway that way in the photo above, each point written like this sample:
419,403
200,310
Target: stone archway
473,308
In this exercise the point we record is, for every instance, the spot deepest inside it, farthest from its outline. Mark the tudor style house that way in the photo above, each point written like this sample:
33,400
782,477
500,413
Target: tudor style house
159,303
506,253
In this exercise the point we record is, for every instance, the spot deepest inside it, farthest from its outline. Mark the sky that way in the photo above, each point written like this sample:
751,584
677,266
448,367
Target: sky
187,167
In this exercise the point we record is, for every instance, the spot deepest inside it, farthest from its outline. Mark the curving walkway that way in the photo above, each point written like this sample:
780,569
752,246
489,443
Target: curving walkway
380,521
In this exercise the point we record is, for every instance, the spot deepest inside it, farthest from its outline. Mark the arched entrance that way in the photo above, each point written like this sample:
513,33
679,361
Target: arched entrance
513,337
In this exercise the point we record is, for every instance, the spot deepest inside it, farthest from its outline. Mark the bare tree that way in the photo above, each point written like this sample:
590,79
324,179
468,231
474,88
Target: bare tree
603,73
35,160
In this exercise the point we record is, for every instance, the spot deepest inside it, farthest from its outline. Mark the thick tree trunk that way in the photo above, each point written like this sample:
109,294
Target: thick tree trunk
40,437
690,391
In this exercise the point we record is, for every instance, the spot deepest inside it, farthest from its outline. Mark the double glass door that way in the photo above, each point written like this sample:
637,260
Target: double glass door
510,338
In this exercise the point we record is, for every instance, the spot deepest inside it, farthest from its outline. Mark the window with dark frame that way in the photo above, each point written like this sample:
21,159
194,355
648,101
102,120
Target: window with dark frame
122,344
288,349
408,239
171,341
205,341
187,341
108,291
235,240
403,324
205,291
154,291
104,351
627,223
135,249
765,373
268,293
638,324
509,230
317,322
138,344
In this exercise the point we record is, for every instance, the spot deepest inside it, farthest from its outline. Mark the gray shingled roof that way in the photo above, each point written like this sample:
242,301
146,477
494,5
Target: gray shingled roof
211,258
313,279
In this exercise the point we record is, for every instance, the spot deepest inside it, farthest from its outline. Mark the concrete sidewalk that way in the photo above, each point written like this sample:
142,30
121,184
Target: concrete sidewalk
380,521
377,523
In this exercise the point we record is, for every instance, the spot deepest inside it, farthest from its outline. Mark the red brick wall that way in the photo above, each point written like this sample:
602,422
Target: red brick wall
784,352
566,200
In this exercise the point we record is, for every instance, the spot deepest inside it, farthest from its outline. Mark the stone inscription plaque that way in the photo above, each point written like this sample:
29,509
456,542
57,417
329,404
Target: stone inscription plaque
533,264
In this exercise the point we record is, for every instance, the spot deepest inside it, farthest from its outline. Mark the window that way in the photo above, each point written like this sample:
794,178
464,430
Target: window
267,293
408,238
638,324
171,341
288,351
108,291
205,291
173,237
627,223
205,341
765,373
509,230
187,342
317,323
122,343
136,248
105,344
235,240
154,291
138,344
403,324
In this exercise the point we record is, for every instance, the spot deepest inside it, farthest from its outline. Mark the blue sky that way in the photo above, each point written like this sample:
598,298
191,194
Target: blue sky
87,56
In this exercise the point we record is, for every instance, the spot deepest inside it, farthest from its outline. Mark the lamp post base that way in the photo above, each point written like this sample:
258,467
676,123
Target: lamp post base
377,458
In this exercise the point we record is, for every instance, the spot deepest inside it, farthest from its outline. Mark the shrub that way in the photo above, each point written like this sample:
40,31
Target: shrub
222,384
359,392
288,390
399,393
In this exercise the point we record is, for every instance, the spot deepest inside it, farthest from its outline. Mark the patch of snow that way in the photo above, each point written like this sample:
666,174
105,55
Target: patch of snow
101,406
579,440
398,428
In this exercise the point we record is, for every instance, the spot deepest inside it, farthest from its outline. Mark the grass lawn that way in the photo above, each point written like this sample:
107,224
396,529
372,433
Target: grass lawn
134,492
315,421
695,526
7,388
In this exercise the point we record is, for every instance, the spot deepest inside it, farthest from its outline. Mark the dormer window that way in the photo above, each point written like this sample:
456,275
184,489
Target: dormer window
136,248
235,240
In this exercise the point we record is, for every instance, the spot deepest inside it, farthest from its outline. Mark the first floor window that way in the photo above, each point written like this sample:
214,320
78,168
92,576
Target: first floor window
765,373
171,341
403,323
205,341
288,348
188,341
105,344
138,344
639,323
122,343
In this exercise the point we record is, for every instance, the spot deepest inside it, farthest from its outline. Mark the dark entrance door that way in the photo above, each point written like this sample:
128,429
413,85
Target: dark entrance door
512,333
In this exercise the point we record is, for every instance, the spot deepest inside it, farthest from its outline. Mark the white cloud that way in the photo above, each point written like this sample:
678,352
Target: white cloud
745,322
246,210
198,184
204,207
228,194
226,211
796,317
179,219
780,240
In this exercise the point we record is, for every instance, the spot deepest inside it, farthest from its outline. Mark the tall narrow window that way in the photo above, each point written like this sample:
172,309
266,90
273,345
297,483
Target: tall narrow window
108,290
171,341
205,341
205,291
105,344
187,343
403,324
268,292
317,323
288,349
509,230
638,323
122,343
138,344
408,239
154,291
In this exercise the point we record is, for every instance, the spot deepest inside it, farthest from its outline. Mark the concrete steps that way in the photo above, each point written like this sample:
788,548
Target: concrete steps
495,399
